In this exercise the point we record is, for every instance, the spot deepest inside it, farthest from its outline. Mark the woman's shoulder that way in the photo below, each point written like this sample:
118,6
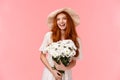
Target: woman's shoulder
48,34
78,38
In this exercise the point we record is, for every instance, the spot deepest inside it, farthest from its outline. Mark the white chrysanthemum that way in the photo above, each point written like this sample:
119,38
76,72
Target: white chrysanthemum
62,48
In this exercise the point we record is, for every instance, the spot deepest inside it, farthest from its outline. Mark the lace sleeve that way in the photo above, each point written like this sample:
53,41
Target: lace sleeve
45,43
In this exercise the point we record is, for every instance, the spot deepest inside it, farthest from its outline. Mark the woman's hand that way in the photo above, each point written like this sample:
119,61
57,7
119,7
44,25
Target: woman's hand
57,74
60,66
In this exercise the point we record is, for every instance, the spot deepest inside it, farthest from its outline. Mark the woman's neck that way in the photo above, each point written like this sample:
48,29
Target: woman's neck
62,34
62,31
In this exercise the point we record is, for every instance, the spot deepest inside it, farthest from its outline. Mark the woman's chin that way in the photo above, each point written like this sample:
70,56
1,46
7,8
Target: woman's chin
63,28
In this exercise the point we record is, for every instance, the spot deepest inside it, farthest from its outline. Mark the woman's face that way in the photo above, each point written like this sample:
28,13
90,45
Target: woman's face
61,21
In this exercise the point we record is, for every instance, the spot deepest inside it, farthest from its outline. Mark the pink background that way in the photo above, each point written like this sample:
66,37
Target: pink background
23,25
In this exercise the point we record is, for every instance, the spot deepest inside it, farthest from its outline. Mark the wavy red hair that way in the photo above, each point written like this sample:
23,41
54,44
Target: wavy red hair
70,31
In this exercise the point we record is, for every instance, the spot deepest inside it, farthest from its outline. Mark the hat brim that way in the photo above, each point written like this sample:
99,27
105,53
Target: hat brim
74,16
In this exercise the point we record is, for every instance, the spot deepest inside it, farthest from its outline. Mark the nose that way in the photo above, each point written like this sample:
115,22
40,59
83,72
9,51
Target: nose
61,20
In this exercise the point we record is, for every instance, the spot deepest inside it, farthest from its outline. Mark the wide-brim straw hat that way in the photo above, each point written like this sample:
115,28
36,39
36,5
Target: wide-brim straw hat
73,14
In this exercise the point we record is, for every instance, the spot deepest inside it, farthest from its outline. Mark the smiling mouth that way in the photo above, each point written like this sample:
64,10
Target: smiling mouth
62,24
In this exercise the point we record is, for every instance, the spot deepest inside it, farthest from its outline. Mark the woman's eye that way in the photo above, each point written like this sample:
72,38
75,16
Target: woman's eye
64,18
58,19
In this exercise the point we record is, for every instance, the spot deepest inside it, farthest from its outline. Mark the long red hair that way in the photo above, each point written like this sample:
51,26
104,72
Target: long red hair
70,31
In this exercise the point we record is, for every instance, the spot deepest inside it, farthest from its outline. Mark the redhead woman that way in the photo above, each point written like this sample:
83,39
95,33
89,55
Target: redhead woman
62,23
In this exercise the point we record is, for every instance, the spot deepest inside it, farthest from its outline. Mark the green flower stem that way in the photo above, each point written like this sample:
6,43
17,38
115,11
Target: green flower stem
61,71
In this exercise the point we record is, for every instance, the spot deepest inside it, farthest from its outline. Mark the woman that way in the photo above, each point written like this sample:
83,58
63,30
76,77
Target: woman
62,23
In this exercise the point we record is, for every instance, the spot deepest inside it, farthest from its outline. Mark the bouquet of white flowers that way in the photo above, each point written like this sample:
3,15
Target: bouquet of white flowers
63,51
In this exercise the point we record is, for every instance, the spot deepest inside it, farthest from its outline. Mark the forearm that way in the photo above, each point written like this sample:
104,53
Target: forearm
71,65
45,61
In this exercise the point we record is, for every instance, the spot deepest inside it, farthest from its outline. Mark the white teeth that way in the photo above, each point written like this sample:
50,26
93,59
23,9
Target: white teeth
62,24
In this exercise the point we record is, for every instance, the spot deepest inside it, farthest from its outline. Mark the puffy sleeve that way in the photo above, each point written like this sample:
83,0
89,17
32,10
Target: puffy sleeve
45,43
80,50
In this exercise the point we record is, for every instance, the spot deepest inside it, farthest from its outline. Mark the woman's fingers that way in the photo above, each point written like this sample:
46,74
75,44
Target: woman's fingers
57,74
60,66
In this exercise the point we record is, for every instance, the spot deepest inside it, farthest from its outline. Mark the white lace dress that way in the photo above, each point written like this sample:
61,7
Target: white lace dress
47,75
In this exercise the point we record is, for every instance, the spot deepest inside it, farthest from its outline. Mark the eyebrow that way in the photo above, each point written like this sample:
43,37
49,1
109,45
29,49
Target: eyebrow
63,16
